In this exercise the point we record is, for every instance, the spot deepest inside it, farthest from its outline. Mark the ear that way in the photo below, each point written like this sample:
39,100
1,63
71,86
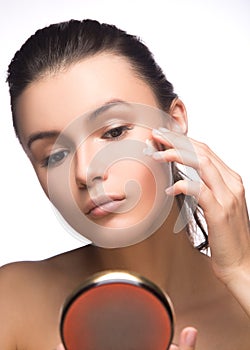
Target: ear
178,112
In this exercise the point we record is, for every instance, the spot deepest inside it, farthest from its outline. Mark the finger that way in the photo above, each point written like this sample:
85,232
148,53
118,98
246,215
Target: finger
174,347
187,341
204,166
60,347
230,178
180,156
182,142
212,171
171,139
218,161
203,195
176,140
188,338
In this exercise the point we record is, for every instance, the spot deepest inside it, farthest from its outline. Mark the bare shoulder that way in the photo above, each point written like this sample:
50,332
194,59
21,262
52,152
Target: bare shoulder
18,277
14,282
222,323
30,279
31,297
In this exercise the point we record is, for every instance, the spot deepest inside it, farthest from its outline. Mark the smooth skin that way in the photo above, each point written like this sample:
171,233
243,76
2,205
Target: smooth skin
211,295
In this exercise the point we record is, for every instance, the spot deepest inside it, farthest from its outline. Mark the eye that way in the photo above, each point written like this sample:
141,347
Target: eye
55,158
117,132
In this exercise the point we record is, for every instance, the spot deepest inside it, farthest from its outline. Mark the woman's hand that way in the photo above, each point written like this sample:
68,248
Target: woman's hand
187,340
60,347
220,193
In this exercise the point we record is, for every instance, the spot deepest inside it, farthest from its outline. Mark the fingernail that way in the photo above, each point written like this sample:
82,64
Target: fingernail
157,155
169,190
156,132
163,129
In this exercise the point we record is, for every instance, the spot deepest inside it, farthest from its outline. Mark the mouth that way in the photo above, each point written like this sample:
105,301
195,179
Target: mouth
100,207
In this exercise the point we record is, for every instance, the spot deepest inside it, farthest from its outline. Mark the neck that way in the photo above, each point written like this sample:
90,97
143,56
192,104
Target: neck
166,258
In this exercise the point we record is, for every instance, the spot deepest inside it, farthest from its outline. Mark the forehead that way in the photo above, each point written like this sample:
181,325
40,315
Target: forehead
55,100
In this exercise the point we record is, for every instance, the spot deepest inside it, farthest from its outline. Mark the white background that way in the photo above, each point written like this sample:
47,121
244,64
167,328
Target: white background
204,49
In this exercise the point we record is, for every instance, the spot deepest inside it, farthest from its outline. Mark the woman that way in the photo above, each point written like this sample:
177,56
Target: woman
65,71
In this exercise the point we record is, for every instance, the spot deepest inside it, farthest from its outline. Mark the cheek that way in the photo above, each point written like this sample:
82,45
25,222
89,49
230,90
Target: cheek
57,185
132,177
42,176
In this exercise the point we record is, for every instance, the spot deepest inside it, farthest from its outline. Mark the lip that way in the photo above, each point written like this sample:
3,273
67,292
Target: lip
104,205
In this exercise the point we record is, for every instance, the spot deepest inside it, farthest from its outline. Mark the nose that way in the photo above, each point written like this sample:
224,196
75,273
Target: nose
87,169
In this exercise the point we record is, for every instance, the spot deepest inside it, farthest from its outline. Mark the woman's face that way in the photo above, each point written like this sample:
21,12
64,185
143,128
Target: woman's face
84,133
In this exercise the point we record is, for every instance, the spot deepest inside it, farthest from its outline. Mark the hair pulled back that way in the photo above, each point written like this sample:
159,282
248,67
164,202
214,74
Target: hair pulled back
57,46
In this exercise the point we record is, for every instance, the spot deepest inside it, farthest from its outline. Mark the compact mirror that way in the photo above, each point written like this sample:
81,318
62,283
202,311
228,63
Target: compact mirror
117,310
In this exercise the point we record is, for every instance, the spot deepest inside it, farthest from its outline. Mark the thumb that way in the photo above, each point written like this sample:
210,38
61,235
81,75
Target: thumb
60,347
187,340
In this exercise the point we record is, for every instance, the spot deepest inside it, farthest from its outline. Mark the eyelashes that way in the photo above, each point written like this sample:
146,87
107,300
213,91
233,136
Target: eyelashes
58,157
55,158
116,133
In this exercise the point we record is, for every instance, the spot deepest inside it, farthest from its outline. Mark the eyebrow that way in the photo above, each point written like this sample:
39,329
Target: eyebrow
108,105
93,115
42,135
